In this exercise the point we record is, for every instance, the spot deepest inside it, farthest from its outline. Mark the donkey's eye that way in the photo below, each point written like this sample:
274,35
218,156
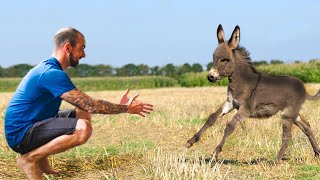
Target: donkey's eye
224,60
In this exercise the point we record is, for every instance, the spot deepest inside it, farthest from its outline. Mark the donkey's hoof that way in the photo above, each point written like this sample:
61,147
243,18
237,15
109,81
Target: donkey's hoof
317,154
214,157
276,162
188,145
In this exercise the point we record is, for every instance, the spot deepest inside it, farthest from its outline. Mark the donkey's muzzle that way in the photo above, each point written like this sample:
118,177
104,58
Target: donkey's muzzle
211,78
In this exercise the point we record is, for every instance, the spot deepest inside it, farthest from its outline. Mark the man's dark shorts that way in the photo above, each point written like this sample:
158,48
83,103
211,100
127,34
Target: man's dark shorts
44,131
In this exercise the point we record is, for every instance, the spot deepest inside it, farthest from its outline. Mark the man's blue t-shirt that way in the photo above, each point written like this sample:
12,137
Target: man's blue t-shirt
36,98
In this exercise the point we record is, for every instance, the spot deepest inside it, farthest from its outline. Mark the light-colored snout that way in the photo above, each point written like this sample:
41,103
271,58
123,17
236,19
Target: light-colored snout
213,75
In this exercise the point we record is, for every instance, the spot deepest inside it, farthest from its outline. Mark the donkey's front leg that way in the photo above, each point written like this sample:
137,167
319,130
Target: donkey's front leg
223,110
227,132
211,120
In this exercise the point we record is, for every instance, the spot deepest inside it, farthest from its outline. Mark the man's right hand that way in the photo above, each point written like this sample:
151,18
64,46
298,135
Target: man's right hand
138,107
124,100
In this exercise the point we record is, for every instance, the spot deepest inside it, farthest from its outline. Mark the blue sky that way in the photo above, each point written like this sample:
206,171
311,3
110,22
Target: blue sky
159,32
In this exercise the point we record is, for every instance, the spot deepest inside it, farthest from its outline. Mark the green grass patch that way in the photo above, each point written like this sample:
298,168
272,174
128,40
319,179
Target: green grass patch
7,154
134,118
307,72
309,172
199,79
104,83
193,121
85,151
121,83
101,119
9,84
135,147
112,150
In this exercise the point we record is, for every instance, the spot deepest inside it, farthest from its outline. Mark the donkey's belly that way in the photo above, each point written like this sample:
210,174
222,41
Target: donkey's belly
264,110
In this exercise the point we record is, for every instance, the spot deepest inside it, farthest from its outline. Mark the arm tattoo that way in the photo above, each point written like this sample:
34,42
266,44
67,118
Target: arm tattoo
89,104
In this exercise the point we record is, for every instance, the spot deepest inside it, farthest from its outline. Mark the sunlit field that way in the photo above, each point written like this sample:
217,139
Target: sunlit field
131,147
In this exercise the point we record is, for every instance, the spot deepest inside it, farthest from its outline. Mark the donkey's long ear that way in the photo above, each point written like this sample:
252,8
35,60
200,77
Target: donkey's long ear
220,34
235,38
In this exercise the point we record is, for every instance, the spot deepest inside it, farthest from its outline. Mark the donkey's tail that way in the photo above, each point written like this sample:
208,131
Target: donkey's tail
315,97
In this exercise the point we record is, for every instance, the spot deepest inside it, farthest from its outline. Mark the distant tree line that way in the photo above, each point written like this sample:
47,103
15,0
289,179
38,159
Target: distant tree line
86,70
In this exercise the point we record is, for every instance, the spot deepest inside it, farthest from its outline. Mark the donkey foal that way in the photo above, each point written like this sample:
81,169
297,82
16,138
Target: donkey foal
254,94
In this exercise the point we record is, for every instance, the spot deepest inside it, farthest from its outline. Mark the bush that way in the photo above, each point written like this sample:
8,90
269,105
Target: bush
199,79
9,84
307,72
118,83
105,83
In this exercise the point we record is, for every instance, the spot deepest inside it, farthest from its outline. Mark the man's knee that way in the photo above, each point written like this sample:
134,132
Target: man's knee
83,130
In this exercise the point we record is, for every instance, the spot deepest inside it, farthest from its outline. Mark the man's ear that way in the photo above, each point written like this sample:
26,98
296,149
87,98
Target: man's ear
67,48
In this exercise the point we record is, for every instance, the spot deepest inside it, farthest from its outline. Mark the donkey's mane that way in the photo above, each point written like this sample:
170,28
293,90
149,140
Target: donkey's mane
245,55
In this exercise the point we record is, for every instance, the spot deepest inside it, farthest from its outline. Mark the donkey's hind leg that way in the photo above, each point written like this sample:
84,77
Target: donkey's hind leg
286,136
305,127
224,109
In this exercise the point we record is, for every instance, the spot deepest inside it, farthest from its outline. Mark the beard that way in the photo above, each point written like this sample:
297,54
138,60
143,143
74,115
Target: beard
73,62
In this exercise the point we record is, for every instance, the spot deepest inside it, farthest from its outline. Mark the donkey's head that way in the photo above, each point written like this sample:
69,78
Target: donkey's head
223,57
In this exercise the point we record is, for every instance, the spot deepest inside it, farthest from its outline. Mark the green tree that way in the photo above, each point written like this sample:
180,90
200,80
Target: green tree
18,70
128,70
196,67
104,70
169,70
1,72
82,70
185,68
276,62
143,69
258,63
209,66
314,61
155,70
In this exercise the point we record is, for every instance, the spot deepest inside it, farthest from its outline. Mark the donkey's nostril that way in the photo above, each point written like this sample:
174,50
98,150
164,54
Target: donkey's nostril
211,78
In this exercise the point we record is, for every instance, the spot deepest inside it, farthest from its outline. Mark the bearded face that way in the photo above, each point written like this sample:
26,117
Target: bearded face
73,62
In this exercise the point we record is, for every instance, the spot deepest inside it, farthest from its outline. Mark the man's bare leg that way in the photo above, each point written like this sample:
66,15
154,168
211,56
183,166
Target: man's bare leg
44,163
45,167
29,162
31,168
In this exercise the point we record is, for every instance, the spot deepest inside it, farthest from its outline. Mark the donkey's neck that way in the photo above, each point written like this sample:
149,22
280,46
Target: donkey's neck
243,81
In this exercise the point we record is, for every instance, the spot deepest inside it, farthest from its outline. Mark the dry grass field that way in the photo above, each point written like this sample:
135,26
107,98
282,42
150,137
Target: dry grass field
130,147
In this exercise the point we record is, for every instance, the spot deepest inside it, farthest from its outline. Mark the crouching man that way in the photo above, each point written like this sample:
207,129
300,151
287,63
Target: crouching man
35,127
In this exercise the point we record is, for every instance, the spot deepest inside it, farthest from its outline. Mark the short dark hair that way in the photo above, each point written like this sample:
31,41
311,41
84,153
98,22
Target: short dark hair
66,35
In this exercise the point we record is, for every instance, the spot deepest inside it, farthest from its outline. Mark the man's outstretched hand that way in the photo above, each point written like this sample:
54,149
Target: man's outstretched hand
135,106
124,100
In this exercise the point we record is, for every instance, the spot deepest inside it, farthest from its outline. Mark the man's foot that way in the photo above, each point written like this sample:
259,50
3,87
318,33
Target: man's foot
30,168
45,167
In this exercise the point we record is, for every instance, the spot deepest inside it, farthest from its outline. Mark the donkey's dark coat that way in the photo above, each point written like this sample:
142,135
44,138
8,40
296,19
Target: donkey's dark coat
254,94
